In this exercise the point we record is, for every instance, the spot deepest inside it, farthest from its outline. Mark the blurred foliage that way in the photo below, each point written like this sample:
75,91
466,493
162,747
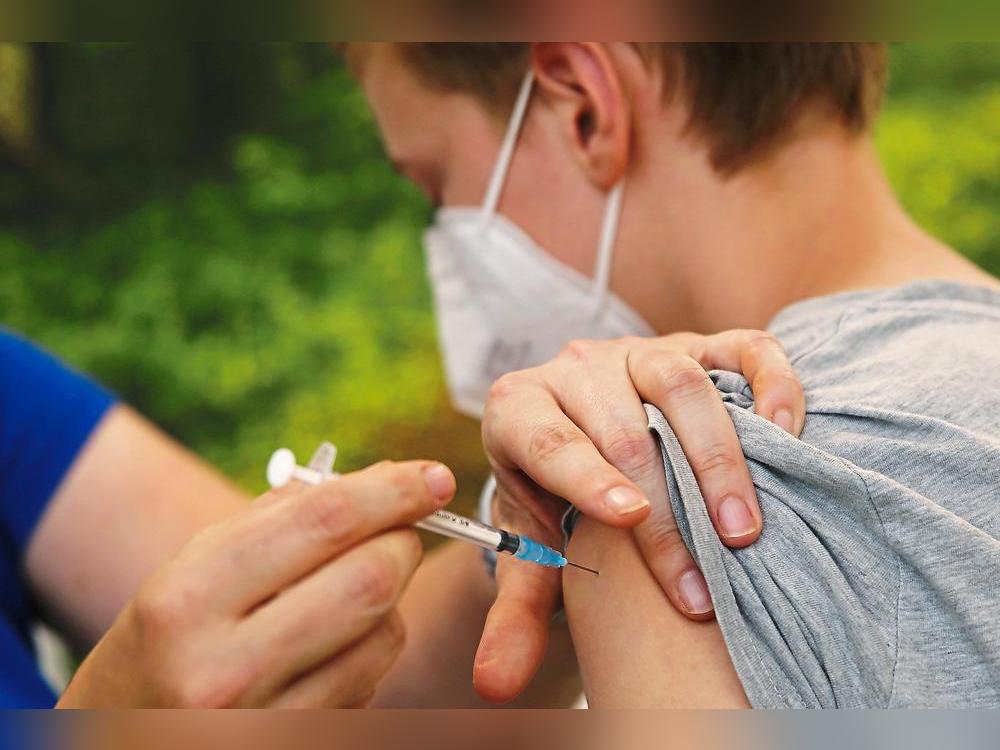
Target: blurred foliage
940,140
215,234
212,231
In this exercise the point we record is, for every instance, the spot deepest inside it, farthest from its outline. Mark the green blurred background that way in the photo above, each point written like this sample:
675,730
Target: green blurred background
212,231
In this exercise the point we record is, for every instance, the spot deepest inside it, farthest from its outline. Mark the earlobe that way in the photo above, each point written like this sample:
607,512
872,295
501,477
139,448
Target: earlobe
582,86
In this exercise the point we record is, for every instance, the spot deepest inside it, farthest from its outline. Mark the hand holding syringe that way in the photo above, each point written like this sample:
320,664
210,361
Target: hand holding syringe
282,468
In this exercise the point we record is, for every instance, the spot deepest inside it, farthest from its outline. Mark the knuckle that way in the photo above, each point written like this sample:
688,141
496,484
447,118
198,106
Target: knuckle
782,381
631,450
407,488
663,539
162,607
375,472
682,379
547,439
783,377
717,458
504,387
578,349
755,339
334,517
375,582
211,688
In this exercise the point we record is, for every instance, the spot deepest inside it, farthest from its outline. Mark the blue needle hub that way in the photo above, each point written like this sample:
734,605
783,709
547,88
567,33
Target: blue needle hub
529,549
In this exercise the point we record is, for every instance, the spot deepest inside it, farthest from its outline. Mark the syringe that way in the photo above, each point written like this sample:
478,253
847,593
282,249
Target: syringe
282,468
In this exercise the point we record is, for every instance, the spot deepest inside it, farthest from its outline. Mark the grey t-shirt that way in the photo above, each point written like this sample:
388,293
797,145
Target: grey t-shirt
876,580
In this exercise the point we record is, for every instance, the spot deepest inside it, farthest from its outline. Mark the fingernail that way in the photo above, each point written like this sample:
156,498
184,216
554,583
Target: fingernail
735,518
784,419
625,500
440,481
694,593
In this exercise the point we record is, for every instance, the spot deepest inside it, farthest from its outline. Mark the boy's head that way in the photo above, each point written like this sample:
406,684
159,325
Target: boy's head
742,98
698,114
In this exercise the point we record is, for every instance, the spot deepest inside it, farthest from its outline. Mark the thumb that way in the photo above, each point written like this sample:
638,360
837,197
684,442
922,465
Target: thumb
516,633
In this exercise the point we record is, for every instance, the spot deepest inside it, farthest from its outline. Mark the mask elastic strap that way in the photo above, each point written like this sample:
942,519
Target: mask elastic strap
606,246
499,176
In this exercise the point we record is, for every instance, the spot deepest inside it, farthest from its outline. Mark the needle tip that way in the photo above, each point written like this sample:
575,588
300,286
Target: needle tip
583,567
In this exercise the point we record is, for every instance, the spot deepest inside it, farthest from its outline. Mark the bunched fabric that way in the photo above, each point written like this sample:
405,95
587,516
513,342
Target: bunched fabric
875,580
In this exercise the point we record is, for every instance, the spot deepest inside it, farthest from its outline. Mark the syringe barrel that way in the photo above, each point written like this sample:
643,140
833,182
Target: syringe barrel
465,529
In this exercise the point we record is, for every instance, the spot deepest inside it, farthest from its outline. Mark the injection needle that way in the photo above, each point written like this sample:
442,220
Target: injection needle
583,567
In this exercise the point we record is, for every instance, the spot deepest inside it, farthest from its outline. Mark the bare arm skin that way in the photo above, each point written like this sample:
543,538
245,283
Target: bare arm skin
129,503
635,649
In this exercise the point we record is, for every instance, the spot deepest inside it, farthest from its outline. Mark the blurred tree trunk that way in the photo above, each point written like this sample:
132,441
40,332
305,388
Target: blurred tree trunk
87,130
17,101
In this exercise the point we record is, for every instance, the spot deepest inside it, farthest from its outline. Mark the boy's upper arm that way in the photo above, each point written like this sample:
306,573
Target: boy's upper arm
798,613
635,650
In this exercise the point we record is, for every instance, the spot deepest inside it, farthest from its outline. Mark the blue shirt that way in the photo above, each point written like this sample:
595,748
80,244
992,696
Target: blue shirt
47,412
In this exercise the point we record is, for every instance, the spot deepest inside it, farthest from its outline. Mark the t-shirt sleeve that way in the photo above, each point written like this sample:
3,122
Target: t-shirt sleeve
808,612
47,412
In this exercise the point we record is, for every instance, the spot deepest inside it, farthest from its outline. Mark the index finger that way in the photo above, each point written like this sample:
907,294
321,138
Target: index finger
267,549
525,429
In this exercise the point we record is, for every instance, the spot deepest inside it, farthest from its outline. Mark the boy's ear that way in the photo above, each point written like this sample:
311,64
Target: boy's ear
582,86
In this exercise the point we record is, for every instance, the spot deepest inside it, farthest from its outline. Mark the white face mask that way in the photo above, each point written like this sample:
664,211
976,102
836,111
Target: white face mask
502,302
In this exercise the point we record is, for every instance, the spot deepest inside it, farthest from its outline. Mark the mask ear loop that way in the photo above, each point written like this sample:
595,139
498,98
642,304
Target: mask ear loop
506,155
612,213
606,246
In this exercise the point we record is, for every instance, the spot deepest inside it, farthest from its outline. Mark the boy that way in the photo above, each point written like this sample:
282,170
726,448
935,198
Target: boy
745,191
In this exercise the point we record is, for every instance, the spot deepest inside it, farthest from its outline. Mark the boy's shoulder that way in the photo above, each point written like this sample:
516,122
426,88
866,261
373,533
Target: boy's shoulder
846,599
929,348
